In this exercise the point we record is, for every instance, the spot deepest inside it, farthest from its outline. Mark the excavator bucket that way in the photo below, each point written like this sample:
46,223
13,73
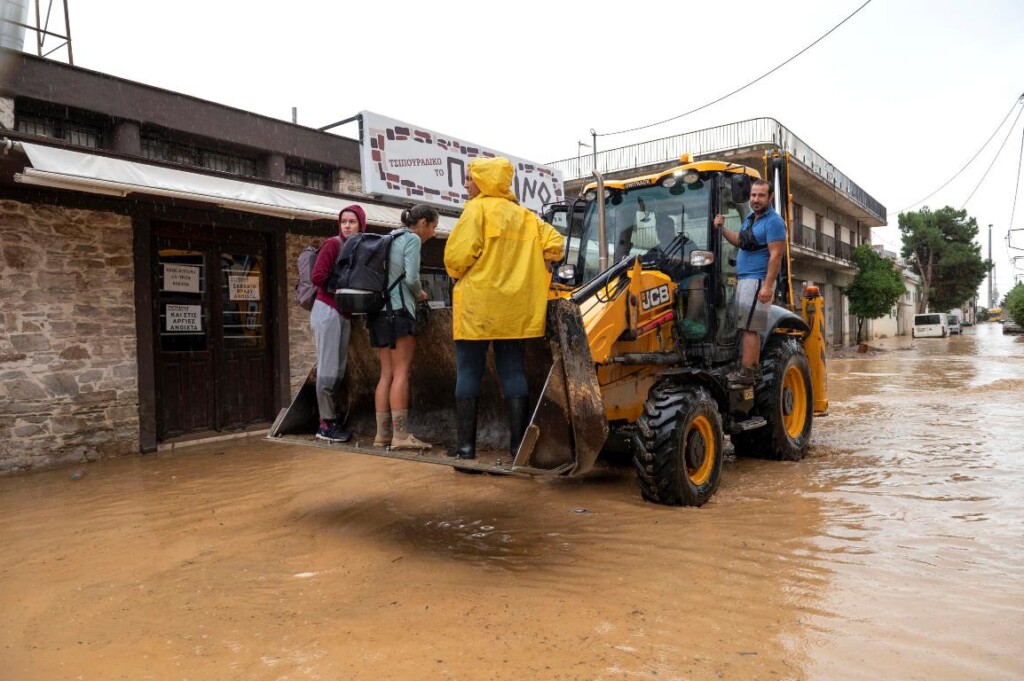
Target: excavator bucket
566,432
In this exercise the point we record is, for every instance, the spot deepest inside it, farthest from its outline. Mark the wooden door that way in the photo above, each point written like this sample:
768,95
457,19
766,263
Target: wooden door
213,360
243,355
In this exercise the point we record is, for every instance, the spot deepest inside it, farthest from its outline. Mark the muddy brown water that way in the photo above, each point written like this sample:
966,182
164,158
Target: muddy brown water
893,551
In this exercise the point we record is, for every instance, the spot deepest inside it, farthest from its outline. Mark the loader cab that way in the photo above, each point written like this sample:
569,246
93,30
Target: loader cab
669,214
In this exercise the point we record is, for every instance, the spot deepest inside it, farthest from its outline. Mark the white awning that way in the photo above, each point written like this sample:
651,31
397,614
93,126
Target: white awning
94,174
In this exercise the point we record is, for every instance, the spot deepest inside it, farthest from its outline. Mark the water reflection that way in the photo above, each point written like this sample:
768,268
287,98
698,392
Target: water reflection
933,462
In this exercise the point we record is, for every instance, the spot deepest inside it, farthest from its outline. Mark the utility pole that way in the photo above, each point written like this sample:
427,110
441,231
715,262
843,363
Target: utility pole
992,269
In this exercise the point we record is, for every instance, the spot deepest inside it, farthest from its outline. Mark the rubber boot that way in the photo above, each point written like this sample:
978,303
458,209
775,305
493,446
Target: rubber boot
465,417
518,419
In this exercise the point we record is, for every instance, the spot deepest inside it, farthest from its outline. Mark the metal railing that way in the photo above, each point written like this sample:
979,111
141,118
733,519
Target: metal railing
750,133
814,240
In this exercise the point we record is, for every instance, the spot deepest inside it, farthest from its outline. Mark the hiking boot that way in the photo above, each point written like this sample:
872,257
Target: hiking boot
744,377
333,432
409,442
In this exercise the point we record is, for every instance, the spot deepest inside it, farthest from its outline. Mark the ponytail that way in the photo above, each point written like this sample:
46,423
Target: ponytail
421,211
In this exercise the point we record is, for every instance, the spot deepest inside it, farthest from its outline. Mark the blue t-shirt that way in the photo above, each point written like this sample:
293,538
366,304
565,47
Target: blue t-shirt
767,228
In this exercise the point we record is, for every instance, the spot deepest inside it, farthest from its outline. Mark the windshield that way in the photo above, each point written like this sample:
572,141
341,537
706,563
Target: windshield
639,220
924,319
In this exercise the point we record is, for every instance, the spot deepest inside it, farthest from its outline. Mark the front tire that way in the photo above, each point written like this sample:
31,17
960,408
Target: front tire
784,399
679,444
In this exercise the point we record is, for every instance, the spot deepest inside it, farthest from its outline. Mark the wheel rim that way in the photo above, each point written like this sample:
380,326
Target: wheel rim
794,402
700,451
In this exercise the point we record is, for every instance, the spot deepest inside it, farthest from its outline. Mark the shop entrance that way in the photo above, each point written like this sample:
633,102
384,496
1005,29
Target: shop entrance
213,365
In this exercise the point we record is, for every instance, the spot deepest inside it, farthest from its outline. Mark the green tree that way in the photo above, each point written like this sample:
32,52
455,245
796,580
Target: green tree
939,245
1015,304
876,288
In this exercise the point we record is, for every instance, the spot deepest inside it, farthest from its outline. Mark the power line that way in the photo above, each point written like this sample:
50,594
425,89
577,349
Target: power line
759,78
1016,186
976,154
994,159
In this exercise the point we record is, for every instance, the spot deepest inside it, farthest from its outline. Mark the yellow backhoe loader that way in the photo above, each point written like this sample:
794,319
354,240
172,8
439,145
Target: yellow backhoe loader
640,337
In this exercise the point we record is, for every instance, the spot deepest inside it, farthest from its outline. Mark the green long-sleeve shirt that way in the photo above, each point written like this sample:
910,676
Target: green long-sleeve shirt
405,257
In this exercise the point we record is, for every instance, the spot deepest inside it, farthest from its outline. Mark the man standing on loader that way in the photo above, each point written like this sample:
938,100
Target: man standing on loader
762,244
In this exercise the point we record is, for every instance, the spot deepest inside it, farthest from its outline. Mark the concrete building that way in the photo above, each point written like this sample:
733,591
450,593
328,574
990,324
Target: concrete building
900,321
832,215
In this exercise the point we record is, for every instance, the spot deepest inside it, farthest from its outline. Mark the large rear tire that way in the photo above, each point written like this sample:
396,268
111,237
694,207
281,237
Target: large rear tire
679,444
784,399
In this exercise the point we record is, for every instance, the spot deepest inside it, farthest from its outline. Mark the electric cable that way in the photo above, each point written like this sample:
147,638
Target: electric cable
1016,190
995,158
976,154
759,78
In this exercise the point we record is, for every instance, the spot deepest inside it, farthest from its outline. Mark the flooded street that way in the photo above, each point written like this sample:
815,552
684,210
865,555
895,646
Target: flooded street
893,551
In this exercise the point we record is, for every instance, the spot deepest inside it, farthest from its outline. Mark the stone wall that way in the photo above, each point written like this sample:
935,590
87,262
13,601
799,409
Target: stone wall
347,182
68,373
6,113
302,347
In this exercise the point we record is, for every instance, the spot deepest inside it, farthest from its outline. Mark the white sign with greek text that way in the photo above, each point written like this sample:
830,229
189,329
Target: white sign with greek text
188,318
244,288
416,164
184,278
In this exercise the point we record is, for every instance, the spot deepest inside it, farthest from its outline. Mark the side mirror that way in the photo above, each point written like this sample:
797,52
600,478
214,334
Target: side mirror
740,188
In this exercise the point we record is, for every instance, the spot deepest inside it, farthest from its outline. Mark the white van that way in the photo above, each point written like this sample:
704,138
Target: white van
931,325
953,321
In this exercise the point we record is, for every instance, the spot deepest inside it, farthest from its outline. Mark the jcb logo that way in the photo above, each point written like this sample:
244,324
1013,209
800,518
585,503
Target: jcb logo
653,297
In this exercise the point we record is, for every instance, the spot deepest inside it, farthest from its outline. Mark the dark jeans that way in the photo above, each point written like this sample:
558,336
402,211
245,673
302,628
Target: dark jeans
471,360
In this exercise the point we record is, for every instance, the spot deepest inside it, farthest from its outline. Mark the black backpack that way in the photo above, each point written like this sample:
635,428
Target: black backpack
359,281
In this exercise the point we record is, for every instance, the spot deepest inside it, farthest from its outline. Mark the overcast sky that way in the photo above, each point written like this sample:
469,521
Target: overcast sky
898,98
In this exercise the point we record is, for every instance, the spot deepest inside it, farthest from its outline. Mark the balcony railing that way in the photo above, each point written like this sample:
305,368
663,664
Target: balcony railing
749,133
814,240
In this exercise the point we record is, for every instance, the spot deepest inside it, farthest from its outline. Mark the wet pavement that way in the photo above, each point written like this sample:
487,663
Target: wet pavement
894,550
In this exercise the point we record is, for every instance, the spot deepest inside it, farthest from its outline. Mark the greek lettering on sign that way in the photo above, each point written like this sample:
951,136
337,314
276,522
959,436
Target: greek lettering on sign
244,288
188,318
184,278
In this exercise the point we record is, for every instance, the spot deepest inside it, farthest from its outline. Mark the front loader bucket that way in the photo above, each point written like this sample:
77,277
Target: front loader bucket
568,428
567,410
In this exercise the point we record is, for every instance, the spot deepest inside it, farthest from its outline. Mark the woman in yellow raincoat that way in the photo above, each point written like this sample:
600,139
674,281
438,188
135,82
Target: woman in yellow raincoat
498,253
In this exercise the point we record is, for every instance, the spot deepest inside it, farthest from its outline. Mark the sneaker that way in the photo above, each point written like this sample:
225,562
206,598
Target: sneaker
333,432
743,377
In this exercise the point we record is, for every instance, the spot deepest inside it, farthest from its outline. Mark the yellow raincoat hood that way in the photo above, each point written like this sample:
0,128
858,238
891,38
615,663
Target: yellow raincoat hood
493,177
497,252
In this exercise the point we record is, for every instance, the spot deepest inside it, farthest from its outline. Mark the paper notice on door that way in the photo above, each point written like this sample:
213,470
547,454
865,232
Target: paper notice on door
184,278
244,288
186,318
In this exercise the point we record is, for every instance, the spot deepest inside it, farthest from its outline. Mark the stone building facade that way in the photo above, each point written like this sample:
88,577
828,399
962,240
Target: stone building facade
68,370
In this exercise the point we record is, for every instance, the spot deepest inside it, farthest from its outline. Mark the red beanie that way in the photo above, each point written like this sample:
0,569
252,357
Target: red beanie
359,213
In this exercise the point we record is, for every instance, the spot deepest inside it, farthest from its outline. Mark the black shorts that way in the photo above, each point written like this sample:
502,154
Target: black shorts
383,332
